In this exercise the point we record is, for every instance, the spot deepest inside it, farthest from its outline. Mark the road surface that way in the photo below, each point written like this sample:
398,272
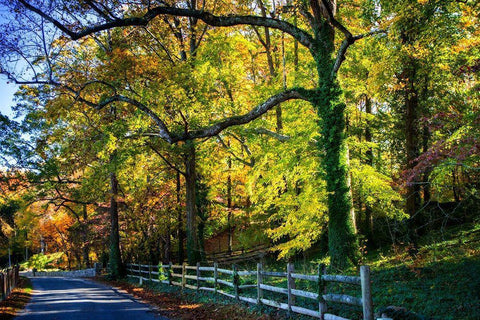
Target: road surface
78,299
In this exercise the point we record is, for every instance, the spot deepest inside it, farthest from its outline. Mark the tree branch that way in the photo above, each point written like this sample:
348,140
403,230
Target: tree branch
255,113
171,165
211,130
346,44
279,137
249,164
331,18
217,21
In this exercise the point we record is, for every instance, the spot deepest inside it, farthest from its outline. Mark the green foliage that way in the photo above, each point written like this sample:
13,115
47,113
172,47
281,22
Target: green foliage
42,261
375,190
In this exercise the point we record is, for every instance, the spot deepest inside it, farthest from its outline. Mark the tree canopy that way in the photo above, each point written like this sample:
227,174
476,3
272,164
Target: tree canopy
294,124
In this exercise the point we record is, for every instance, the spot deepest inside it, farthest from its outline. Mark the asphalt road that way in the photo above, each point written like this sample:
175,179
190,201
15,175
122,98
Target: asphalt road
78,299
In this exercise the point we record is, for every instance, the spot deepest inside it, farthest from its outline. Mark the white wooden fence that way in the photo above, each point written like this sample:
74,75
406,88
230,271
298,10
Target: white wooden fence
183,276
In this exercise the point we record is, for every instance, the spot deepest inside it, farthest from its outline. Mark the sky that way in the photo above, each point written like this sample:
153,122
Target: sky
6,97
6,90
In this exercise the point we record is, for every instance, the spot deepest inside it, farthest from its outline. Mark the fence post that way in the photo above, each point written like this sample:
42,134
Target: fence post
140,278
236,281
169,273
2,279
259,283
198,276
322,289
366,293
5,284
17,274
290,286
215,276
12,281
9,275
150,272
184,270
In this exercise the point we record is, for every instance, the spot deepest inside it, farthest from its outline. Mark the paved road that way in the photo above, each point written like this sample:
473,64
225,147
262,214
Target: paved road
78,299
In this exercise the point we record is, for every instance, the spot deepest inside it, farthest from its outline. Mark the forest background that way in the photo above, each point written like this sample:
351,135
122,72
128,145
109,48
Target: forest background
317,129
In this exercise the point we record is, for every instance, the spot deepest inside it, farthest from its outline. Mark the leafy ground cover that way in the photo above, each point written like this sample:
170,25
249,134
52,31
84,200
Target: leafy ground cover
175,304
17,300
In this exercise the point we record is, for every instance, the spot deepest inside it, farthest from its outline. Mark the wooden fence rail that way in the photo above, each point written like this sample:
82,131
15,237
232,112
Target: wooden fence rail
8,281
183,276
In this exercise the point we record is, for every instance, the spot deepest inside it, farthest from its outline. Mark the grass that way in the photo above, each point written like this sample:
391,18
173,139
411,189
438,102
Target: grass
440,281
17,300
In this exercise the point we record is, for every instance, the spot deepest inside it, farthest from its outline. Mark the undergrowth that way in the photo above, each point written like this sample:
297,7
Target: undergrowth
439,280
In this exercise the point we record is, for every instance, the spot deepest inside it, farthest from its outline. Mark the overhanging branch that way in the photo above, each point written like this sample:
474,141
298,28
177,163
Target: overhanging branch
255,113
346,44
217,21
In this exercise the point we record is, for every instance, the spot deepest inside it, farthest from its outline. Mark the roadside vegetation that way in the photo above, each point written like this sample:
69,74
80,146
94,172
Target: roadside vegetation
439,281
338,132
17,301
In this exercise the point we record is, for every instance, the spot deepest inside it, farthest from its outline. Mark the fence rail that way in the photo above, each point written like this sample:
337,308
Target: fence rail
8,281
183,276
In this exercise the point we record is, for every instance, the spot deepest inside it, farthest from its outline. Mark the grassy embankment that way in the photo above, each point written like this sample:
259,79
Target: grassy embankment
439,281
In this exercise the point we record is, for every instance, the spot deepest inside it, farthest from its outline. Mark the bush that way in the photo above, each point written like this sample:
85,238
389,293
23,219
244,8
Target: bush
43,261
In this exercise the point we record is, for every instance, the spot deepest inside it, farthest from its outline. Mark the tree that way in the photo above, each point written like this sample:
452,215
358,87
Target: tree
325,97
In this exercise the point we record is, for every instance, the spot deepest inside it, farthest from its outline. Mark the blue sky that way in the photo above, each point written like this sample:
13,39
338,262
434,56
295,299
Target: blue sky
6,97
6,90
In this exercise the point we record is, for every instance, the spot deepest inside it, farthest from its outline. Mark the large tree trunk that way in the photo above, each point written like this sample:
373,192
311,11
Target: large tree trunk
116,266
426,175
202,212
180,232
168,244
229,206
190,179
341,237
411,143
85,248
368,224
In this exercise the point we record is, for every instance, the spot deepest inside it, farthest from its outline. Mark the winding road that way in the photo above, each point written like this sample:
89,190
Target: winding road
55,298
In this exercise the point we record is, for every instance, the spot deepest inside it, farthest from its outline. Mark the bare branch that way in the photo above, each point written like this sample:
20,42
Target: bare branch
55,22
171,165
279,137
346,44
93,5
249,164
218,21
255,113
331,18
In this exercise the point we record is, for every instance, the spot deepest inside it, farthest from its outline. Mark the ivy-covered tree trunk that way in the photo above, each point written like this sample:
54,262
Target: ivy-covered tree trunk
333,153
341,235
